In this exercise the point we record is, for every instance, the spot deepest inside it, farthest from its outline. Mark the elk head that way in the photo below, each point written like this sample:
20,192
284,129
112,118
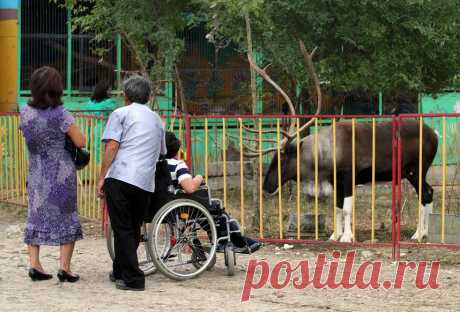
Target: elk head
288,168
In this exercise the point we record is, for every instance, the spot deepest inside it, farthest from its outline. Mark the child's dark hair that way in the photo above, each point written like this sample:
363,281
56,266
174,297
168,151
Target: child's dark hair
172,144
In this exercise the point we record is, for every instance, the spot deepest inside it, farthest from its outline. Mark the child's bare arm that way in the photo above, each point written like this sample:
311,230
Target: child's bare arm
190,185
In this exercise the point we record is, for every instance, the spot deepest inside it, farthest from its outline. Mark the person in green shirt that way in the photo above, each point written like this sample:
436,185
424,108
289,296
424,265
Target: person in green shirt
101,105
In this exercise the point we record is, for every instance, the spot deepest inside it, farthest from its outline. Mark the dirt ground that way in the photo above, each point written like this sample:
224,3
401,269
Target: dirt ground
212,291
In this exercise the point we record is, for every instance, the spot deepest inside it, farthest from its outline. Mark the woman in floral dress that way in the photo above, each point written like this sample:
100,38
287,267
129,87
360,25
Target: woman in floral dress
51,183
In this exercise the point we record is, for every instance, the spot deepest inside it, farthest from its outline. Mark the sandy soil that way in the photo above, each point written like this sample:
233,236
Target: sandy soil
213,291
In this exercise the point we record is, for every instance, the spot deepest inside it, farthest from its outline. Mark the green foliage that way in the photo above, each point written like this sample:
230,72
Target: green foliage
392,46
149,28
370,45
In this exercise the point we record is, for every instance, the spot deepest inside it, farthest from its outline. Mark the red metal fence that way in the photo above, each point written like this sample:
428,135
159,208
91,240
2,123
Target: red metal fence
396,242
207,150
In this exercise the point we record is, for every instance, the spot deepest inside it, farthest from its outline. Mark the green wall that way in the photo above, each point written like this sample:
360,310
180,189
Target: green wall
444,103
85,105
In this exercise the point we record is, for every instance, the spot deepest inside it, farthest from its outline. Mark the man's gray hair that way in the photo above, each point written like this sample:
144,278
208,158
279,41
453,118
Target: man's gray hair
137,89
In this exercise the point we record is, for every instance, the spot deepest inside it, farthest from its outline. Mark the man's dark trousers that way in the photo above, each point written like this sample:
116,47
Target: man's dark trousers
126,205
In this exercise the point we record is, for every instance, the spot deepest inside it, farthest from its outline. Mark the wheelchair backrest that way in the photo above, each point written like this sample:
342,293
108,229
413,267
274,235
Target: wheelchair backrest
163,181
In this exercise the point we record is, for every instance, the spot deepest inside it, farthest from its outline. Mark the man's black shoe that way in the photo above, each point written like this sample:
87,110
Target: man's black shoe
112,277
120,284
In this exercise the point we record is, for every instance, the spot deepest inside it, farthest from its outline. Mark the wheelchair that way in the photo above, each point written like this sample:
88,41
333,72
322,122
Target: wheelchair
181,241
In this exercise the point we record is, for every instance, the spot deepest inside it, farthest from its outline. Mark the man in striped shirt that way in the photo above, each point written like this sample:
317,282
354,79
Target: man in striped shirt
182,178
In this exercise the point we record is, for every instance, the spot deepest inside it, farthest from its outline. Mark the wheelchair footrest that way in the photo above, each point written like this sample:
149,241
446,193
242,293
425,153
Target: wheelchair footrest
239,250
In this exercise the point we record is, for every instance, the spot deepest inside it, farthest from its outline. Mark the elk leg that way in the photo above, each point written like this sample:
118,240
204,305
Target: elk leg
347,235
347,211
338,231
427,208
427,204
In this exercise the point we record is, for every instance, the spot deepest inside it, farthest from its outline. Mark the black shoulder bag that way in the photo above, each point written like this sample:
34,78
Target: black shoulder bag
79,156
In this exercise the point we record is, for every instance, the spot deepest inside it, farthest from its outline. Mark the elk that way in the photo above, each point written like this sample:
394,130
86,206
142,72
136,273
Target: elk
409,132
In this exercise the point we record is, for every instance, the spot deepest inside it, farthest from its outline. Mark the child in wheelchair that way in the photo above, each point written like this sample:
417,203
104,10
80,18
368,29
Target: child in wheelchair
183,181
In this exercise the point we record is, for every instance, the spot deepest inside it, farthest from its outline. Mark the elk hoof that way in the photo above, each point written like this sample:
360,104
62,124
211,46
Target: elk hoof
334,238
420,236
346,238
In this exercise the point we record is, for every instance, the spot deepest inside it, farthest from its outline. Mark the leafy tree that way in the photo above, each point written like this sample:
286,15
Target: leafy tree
394,46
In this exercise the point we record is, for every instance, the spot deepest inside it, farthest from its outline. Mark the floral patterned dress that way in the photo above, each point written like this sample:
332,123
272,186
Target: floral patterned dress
51,183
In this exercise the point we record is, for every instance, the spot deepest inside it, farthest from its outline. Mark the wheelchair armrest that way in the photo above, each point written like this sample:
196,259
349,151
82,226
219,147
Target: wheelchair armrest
202,187
179,191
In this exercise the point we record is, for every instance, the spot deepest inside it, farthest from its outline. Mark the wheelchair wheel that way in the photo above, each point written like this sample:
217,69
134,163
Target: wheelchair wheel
230,260
188,248
145,261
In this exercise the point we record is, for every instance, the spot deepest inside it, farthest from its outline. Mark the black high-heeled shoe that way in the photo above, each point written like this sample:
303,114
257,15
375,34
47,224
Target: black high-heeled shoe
36,275
63,276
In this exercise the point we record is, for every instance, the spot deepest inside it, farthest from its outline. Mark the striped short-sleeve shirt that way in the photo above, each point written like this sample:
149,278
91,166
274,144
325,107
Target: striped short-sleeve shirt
179,171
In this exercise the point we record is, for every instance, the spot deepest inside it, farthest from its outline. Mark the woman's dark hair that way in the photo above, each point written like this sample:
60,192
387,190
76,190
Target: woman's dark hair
172,144
46,88
101,91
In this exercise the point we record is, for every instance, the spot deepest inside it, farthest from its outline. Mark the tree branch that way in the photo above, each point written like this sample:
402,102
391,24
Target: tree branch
264,75
181,91
253,74
130,45
308,60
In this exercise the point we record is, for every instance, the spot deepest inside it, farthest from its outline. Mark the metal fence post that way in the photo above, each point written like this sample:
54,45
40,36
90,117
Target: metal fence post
188,141
118,46
69,53
19,35
396,189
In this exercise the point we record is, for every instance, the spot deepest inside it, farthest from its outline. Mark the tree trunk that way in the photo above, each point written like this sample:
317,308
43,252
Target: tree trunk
181,91
253,73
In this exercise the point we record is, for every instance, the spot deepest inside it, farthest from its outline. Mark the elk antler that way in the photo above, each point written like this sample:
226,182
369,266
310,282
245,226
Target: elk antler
251,139
284,133
250,153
